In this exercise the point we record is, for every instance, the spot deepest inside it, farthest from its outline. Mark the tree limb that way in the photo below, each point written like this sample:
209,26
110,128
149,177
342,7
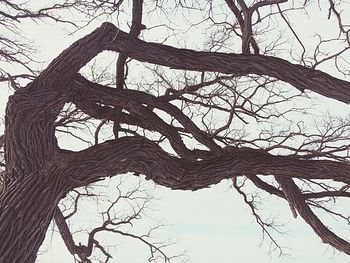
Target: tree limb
141,156
302,78
295,197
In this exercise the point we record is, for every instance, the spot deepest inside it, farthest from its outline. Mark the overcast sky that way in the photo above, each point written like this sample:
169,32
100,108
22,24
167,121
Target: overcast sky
212,225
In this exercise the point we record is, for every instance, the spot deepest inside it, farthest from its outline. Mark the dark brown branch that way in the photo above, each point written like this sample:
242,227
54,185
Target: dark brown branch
114,39
64,231
135,30
139,155
146,120
266,187
32,132
295,196
259,4
155,122
2,140
301,77
131,99
231,4
245,23
326,194
315,195
71,60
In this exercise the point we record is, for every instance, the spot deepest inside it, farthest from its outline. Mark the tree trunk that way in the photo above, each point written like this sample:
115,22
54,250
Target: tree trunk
26,209
33,181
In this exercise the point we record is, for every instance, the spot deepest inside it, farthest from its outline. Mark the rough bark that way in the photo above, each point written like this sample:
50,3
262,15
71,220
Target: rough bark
135,30
26,210
302,78
34,182
296,199
142,156
38,173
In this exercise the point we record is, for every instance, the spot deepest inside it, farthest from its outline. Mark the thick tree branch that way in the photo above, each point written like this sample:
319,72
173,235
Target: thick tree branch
39,174
132,100
139,155
82,251
314,195
71,60
301,77
295,197
30,136
325,194
64,231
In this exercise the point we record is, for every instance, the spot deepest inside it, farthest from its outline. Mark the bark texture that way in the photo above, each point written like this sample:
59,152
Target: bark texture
26,210
39,174
296,200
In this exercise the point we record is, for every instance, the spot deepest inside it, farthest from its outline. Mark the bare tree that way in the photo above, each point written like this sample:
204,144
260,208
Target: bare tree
184,124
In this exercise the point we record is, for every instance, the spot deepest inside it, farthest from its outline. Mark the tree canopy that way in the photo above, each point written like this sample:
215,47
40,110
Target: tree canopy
203,91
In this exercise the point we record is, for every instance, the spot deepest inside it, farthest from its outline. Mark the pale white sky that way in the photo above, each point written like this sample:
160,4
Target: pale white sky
212,225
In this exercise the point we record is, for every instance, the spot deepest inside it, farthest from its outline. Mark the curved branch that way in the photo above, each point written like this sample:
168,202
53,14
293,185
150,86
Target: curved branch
139,155
295,197
153,121
71,60
298,76
31,112
314,195
259,4
266,187
64,231
110,37
84,89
